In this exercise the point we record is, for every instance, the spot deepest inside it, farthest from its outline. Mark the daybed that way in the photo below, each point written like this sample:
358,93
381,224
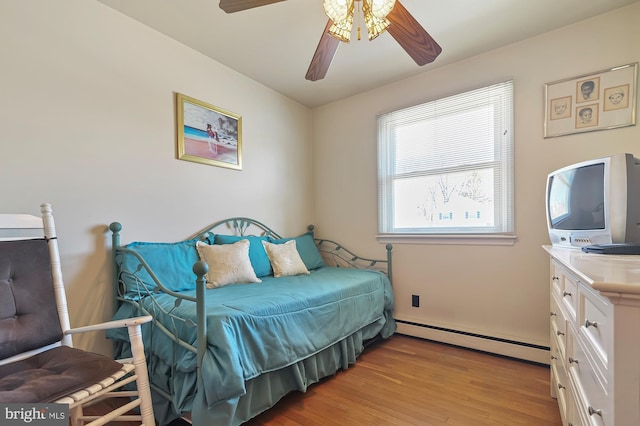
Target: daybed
225,354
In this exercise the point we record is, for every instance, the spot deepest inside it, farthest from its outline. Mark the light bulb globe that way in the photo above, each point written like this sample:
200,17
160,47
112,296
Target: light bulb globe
337,10
381,8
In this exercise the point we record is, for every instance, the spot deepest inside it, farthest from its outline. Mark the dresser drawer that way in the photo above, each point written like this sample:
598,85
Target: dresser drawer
561,391
558,338
569,296
557,314
592,400
595,315
576,414
556,278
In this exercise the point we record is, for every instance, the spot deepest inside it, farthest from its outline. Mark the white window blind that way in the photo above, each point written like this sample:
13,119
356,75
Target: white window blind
446,166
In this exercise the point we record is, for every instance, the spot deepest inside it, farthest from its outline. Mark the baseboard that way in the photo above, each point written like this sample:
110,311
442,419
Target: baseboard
510,348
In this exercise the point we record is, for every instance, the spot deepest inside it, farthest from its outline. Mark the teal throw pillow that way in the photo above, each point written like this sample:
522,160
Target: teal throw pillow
307,249
171,263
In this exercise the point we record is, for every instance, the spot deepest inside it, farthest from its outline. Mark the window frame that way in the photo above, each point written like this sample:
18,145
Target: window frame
503,233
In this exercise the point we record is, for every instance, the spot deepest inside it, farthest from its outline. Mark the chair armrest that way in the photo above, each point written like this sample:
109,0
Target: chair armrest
126,322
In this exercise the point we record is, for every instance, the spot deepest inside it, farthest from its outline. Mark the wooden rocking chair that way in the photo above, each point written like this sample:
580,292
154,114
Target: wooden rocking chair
38,363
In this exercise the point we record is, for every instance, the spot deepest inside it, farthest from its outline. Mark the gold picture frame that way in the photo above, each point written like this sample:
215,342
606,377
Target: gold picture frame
207,134
600,100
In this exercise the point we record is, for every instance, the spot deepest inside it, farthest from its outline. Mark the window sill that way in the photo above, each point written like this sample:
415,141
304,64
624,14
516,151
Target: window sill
469,240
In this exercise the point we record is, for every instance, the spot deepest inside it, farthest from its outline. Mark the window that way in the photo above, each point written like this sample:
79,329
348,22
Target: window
445,168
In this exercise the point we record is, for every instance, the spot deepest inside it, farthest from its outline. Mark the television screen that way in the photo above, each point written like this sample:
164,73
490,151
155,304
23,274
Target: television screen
576,198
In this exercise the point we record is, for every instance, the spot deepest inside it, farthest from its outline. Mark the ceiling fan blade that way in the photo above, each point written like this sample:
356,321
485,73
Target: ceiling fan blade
231,6
325,52
410,35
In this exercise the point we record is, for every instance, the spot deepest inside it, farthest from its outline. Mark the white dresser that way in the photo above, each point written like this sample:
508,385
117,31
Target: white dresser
595,337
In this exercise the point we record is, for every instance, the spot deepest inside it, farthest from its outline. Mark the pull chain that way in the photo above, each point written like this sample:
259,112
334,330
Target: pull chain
359,13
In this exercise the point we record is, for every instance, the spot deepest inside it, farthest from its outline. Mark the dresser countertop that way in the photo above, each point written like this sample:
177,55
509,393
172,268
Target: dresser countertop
604,272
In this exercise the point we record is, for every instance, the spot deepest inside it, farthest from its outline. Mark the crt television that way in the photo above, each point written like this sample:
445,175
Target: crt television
595,202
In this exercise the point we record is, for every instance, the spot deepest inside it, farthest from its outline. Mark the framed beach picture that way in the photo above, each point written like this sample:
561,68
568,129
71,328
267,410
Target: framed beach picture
597,101
207,134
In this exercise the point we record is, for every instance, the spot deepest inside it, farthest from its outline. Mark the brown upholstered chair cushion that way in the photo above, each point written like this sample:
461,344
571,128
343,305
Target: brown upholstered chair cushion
28,313
53,374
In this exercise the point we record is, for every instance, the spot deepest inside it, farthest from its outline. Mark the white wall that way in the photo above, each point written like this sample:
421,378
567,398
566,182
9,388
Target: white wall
88,124
495,291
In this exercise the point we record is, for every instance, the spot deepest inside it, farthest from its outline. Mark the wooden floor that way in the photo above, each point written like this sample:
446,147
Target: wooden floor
408,381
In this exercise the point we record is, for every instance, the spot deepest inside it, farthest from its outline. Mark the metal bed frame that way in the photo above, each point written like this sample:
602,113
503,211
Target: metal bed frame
333,253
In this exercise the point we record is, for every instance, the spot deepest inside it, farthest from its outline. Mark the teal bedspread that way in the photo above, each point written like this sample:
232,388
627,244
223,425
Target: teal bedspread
261,328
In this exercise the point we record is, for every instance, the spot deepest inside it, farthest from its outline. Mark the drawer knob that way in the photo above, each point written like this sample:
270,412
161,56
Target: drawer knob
561,386
588,323
553,357
553,314
554,278
593,411
559,333
566,293
573,361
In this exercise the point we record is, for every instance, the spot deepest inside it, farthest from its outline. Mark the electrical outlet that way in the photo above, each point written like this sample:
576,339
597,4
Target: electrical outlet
415,300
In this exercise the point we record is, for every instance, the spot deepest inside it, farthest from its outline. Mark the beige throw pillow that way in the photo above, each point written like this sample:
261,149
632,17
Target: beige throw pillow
285,259
228,263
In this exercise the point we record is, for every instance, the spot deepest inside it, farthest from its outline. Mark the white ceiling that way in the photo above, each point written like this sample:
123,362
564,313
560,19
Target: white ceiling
274,44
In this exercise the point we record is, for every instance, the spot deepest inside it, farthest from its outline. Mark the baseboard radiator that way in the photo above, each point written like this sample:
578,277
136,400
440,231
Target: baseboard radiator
509,348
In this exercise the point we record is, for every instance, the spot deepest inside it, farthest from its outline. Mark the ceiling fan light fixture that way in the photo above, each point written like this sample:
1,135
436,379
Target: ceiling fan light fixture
375,25
342,29
381,8
338,10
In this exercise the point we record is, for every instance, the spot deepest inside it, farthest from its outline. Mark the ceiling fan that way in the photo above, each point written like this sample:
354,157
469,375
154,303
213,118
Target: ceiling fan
403,27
